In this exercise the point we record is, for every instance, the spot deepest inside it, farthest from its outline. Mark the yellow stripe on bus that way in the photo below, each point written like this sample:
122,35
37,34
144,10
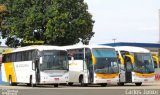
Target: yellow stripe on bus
9,69
7,52
145,75
107,75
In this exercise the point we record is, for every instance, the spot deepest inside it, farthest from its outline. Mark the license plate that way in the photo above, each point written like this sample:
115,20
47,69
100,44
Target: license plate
56,79
145,79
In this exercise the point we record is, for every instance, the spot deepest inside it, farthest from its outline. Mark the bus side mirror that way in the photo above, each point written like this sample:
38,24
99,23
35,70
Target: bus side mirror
40,60
121,59
156,59
131,58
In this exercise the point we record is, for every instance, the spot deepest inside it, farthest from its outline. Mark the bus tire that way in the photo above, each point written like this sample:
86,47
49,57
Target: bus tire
120,84
81,80
104,84
10,81
31,82
70,83
55,85
138,84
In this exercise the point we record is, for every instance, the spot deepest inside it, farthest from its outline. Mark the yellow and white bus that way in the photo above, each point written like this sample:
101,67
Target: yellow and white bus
92,64
35,65
137,65
156,67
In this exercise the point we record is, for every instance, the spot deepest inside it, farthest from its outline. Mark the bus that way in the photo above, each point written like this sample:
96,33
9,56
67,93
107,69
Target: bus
37,64
92,64
136,66
156,67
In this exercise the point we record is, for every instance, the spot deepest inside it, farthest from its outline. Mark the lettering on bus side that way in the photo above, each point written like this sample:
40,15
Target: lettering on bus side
22,65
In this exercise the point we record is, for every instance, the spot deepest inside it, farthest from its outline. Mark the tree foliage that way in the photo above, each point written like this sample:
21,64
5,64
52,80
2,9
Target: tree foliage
3,12
56,22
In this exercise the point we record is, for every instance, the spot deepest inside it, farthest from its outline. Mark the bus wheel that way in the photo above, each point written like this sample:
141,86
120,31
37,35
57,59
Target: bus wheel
70,83
104,84
31,82
82,81
10,82
55,85
138,84
120,84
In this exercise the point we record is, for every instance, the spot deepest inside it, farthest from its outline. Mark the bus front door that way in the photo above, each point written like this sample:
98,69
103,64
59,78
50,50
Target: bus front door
128,71
37,71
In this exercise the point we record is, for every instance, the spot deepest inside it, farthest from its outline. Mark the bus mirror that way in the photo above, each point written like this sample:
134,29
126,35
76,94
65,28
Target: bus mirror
156,59
40,60
121,59
131,58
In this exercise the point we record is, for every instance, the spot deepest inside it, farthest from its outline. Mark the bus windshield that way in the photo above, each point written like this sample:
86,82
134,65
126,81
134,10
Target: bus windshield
143,63
106,61
54,60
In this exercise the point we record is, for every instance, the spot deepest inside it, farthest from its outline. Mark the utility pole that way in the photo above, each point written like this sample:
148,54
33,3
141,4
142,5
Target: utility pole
159,34
159,24
114,40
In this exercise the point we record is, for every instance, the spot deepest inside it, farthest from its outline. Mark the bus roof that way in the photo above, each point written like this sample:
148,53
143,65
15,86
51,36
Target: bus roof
132,49
86,46
39,47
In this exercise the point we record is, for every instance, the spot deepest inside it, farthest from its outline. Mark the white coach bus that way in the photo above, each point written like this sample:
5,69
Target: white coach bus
35,65
137,65
92,64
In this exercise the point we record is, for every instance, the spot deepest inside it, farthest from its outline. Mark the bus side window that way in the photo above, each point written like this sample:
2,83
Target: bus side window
18,56
78,54
26,56
70,54
4,58
23,56
13,58
8,57
29,55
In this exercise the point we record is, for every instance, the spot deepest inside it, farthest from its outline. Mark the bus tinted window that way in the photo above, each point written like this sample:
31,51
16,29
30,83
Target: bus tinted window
13,58
18,56
8,57
29,55
23,56
76,53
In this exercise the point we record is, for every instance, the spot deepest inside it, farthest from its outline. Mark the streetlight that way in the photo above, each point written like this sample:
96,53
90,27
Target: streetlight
114,40
159,24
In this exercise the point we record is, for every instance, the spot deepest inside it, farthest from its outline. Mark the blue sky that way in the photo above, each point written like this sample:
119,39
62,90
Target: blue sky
125,20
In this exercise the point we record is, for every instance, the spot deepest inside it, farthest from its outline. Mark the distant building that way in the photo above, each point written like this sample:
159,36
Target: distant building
153,47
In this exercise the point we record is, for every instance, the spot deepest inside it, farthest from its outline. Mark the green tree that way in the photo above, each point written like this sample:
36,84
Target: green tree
56,22
3,12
